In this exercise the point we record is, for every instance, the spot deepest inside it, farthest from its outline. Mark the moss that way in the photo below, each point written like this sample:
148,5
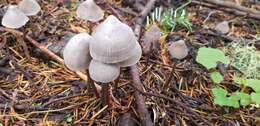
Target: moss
245,57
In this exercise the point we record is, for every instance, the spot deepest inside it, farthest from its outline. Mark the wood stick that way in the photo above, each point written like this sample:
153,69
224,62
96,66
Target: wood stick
228,4
140,101
229,10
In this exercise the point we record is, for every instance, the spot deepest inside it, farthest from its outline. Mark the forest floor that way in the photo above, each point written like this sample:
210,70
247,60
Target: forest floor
36,89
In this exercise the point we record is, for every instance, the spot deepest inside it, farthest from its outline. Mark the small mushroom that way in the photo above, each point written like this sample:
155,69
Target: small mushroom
102,72
14,17
76,52
29,7
90,11
178,49
133,59
151,38
114,41
222,27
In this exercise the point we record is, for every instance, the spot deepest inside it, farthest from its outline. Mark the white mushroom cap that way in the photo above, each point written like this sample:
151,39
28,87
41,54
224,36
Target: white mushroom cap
178,49
76,52
222,27
90,11
114,41
14,17
133,59
29,7
102,72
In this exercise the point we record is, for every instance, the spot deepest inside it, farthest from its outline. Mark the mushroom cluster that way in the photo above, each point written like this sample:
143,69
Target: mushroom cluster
16,16
111,46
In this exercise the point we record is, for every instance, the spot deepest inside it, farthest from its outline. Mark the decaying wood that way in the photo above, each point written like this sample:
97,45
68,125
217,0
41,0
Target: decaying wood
140,101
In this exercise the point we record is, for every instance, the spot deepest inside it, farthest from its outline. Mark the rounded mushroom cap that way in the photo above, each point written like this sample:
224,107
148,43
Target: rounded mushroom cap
102,72
90,11
222,27
76,52
133,59
113,41
29,7
14,17
178,49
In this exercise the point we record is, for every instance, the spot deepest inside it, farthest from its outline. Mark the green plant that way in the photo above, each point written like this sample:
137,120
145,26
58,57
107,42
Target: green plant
235,100
221,98
252,83
208,57
216,77
169,19
68,117
37,104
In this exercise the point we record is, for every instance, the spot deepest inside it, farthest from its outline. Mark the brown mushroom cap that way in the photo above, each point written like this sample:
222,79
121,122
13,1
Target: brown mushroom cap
76,52
151,38
14,17
29,7
90,11
178,49
113,41
133,59
102,72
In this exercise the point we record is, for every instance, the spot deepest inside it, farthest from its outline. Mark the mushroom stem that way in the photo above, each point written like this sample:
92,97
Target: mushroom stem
105,94
116,83
92,86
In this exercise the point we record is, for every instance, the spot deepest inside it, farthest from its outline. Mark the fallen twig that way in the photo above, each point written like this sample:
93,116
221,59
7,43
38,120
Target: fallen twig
140,102
232,5
173,101
64,98
6,95
230,9
41,111
139,99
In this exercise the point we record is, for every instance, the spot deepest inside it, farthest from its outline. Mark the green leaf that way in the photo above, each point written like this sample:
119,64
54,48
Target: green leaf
219,96
244,98
208,57
255,97
219,92
233,101
37,104
167,20
220,101
216,77
1,124
68,117
254,83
